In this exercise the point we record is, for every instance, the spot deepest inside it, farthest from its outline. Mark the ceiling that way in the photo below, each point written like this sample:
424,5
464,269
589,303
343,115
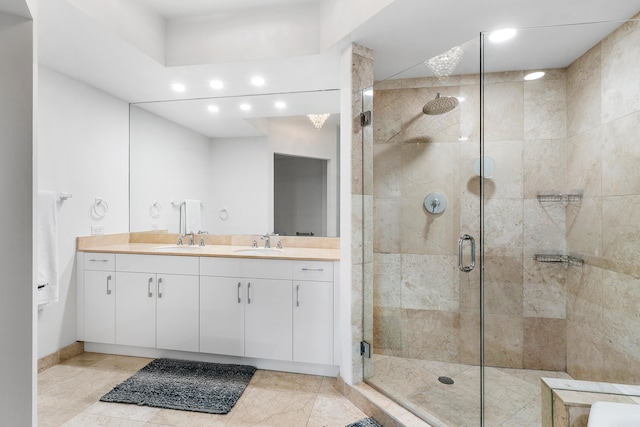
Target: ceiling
402,34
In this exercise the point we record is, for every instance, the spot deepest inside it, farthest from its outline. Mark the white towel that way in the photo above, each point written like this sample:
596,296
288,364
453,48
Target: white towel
192,216
47,248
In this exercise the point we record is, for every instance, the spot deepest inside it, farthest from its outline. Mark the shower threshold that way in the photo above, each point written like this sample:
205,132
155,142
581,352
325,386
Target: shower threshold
512,396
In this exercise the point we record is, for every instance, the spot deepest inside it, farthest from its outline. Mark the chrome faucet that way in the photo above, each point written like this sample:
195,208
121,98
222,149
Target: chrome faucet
185,235
266,237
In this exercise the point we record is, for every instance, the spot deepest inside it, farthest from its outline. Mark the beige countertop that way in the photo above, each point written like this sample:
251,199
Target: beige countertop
229,251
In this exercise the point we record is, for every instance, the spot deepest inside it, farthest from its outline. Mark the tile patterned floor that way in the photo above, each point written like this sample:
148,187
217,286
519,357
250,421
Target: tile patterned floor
69,393
512,395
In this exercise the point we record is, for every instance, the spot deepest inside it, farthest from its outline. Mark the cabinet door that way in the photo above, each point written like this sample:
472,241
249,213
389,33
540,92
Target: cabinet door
222,302
313,322
177,312
136,309
99,306
268,319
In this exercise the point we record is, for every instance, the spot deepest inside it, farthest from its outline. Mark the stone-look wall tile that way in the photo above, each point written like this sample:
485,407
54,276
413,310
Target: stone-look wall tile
470,79
545,108
430,282
545,344
583,93
361,70
546,397
470,113
431,335
357,327
545,166
585,333
387,330
357,224
584,163
469,335
387,167
621,156
387,218
504,120
357,167
367,301
429,167
584,227
504,77
503,285
387,280
367,221
544,227
503,222
621,228
506,180
544,293
469,293
425,233
620,84
387,116
503,340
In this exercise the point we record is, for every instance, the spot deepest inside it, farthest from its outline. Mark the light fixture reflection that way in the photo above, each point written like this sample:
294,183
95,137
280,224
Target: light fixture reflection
318,119
444,65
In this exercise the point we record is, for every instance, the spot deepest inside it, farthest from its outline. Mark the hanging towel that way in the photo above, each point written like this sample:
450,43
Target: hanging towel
192,216
47,236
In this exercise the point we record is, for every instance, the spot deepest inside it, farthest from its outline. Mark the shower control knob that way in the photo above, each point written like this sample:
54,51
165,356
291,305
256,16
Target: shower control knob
435,203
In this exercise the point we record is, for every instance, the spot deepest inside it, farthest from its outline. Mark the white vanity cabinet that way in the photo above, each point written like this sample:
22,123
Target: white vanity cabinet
158,301
99,297
313,312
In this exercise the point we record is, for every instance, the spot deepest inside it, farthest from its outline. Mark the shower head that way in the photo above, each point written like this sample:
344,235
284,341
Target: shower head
440,105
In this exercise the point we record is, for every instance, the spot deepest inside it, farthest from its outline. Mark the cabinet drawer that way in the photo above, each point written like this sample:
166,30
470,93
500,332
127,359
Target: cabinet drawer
158,264
321,271
99,261
221,267
265,269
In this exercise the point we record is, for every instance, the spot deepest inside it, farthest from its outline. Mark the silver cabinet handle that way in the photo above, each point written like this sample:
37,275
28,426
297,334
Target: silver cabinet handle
108,288
239,299
312,269
249,293
149,293
297,295
466,268
98,260
159,288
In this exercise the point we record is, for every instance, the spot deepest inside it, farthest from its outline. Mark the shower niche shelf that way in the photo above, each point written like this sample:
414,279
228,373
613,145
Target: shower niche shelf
561,259
560,198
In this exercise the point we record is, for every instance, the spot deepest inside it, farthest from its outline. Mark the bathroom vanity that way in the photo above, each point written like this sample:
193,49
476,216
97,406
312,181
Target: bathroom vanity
273,309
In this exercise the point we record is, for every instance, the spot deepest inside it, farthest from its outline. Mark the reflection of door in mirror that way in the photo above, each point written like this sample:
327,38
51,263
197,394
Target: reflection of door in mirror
300,196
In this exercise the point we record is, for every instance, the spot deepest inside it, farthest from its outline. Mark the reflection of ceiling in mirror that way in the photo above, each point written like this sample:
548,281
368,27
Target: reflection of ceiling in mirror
228,120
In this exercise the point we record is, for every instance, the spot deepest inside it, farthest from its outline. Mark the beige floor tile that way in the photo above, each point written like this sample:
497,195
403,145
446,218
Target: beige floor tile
168,417
122,410
86,420
285,381
333,411
273,408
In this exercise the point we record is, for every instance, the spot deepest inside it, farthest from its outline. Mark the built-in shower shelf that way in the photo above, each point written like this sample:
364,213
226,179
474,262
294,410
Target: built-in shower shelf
563,259
560,198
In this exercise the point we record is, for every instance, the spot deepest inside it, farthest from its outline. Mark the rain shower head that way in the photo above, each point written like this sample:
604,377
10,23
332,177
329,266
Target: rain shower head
440,105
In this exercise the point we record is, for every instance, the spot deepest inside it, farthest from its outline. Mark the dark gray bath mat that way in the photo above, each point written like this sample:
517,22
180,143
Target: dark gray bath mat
189,386
365,422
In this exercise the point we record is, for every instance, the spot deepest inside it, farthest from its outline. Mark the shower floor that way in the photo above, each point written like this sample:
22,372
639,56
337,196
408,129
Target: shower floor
512,395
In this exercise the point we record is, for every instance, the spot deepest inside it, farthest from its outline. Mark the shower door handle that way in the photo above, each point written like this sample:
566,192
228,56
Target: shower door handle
466,268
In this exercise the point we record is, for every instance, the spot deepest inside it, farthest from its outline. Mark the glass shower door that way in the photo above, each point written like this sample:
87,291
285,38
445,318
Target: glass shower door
424,293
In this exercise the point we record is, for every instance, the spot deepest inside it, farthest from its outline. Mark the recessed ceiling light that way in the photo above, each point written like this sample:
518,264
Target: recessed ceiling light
178,87
257,80
245,107
213,108
280,105
502,35
216,84
534,76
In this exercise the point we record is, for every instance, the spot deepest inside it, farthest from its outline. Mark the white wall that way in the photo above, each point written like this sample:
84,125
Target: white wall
83,149
168,162
239,168
17,372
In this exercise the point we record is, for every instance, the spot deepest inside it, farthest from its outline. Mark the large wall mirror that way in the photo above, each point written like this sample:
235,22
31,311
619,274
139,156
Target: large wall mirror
231,155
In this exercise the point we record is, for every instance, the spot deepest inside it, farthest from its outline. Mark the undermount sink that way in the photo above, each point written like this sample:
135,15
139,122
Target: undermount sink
177,248
612,414
259,251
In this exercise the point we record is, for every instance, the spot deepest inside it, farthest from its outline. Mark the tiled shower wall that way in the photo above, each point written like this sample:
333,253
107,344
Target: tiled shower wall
603,151
574,130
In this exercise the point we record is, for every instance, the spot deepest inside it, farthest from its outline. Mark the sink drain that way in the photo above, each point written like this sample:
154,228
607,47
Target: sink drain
445,380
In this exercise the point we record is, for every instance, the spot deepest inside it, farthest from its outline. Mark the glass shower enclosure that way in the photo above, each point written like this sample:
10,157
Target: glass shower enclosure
536,174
